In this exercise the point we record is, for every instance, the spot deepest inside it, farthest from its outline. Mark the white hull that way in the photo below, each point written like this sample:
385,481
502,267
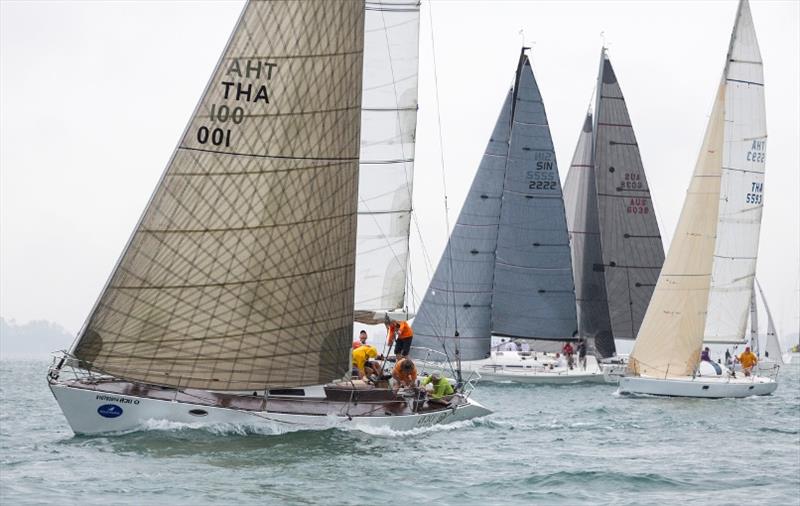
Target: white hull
532,368
700,386
82,409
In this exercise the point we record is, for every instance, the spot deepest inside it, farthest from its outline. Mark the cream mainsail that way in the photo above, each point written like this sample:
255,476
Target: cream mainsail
703,292
240,272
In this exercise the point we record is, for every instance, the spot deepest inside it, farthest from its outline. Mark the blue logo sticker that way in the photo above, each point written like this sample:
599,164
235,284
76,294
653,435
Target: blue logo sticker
109,410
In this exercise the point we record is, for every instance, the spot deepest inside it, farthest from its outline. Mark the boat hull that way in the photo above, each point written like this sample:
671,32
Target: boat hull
700,386
532,368
93,412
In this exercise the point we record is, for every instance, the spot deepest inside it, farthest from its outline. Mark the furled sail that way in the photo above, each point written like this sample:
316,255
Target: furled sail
534,293
703,292
388,126
632,250
507,268
240,272
461,288
580,202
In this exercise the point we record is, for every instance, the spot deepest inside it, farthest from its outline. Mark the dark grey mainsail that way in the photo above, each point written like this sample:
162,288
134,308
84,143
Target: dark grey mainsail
465,295
580,201
534,294
507,267
631,242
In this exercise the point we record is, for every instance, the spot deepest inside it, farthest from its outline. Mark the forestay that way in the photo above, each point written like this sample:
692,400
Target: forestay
240,272
703,292
580,202
388,129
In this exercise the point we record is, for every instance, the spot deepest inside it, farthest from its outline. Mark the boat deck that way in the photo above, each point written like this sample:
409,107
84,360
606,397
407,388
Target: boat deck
314,406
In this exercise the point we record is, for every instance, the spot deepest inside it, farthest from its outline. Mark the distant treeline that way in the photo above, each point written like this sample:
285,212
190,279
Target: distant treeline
35,339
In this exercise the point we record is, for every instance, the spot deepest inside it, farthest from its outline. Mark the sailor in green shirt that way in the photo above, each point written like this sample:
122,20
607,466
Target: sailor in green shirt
441,388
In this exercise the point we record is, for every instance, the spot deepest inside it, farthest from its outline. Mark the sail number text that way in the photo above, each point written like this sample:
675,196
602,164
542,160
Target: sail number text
758,152
756,193
236,88
543,177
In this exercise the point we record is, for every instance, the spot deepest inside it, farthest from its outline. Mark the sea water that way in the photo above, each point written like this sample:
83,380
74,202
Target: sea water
578,444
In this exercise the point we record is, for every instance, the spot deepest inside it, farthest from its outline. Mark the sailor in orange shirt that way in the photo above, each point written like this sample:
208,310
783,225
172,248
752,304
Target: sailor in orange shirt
404,374
748,359
404,334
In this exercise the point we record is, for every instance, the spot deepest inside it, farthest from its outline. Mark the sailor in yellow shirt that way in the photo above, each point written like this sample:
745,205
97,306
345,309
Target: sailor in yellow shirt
748,359
361,356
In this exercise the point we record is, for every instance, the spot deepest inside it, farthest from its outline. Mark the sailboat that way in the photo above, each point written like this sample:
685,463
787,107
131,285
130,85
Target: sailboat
233,301
773,351
616,245
704,289
506,270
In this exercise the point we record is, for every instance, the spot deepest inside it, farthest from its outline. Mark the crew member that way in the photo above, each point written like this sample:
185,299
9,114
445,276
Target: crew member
361,361
442,389
362,339
400,334
748,359
404,374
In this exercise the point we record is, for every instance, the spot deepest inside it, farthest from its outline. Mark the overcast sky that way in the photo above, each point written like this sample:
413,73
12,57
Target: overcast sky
94,96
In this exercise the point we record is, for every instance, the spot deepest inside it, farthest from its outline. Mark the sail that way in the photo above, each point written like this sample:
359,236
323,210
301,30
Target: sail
632,250
671,334
741,188
773,346
534,294
754,323
461,288
580,202
388,119
703,292
240,273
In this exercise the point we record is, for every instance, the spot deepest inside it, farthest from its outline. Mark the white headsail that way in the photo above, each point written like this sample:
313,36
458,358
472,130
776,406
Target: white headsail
386,169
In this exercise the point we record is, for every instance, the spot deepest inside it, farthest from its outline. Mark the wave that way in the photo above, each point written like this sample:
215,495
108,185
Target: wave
562,478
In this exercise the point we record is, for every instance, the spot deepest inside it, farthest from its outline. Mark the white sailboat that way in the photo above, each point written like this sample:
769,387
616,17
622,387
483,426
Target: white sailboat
703,292
233,301
506,270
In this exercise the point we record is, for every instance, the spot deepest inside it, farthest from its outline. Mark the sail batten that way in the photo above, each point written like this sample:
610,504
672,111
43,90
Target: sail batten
238,265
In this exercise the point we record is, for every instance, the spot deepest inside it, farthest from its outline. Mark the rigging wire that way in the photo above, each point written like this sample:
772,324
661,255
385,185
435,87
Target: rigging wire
444,189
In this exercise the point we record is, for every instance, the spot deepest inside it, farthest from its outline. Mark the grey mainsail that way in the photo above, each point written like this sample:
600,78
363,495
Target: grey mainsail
631,242
461,288
534,294
580,201
506,269
240,273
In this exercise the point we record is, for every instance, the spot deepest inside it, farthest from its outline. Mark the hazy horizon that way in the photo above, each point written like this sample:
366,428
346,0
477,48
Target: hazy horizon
94,96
